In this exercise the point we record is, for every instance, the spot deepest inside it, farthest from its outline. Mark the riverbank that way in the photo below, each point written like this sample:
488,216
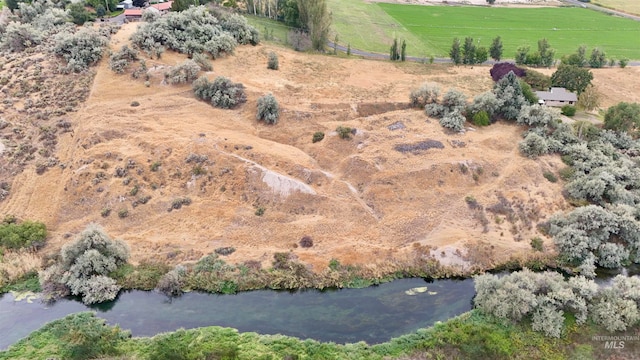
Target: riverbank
468,336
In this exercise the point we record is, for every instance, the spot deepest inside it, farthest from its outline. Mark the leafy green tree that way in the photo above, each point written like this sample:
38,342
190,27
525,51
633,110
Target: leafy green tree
403,51
623,63
79,15
481,55
12,4
598,58
315,14
456,53
23,235
491,2
394,54
468,51
572,77
521,55
182,5
589,99
291,13
623,117
578,58
496,49
546,53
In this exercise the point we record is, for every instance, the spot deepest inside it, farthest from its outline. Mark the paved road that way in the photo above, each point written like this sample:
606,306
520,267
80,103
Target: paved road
601,9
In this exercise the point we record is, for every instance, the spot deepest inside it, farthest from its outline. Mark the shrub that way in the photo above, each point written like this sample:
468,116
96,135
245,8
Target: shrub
536,243
550,176
203,61
623,63
306,241
623,117
17,37
487,102
454,101
528,93
427,93
194,30
344,132
183,73
172,282
453,120
481,118
120,60
260,211
84,265
434,110
568,110
123,213
268,109
317,136
228,250
222,92
537,80
24,235
85,336
80,50
537,115
135,104
533,145
500,70
150,14
272,63
105,212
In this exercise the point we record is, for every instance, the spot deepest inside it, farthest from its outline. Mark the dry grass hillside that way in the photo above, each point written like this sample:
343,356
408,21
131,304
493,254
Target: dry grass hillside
361,200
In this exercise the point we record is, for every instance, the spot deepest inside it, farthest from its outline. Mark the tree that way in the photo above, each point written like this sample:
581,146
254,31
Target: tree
12,4
509,92
578,58
317,18
623,63
546,53
79,14
290,13
394,54
403,51
491,2
623,117
481,55
469,51
500,70
496,49
455,53
572,77
598,58
589,99
521,55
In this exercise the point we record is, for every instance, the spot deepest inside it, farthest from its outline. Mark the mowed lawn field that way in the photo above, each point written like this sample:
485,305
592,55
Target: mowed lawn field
565,28
628,6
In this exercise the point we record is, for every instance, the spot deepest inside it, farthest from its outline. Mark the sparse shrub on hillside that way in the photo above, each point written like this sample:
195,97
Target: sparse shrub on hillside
487,102
17,37
317,136
238,26
533,145
272,62
427,93
183,73
454,101
84,265
268,109
80,50
453,120
224,251
203,61
344,132
299,40
434,110
120,60
306,241
222,92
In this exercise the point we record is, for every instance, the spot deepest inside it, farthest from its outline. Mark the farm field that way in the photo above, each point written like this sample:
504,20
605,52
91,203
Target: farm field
628,6
565,28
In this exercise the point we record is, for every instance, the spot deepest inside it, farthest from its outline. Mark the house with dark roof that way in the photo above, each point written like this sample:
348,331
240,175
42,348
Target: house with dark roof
556,96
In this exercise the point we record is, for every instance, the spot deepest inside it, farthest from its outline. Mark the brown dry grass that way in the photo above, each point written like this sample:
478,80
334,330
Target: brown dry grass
15,264
371,203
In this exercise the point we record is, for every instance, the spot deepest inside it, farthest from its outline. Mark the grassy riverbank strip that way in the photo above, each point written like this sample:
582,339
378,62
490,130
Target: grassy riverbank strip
472,335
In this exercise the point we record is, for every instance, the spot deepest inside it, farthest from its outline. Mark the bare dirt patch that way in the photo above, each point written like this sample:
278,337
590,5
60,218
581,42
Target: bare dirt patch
360,200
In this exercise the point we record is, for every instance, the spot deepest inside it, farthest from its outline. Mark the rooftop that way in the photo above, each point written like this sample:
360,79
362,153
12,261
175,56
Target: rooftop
557,94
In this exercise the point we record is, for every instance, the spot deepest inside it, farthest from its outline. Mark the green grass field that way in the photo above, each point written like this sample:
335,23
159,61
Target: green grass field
565,28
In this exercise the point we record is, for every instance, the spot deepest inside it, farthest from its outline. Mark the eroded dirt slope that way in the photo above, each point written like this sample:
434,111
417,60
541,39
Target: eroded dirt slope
361,200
